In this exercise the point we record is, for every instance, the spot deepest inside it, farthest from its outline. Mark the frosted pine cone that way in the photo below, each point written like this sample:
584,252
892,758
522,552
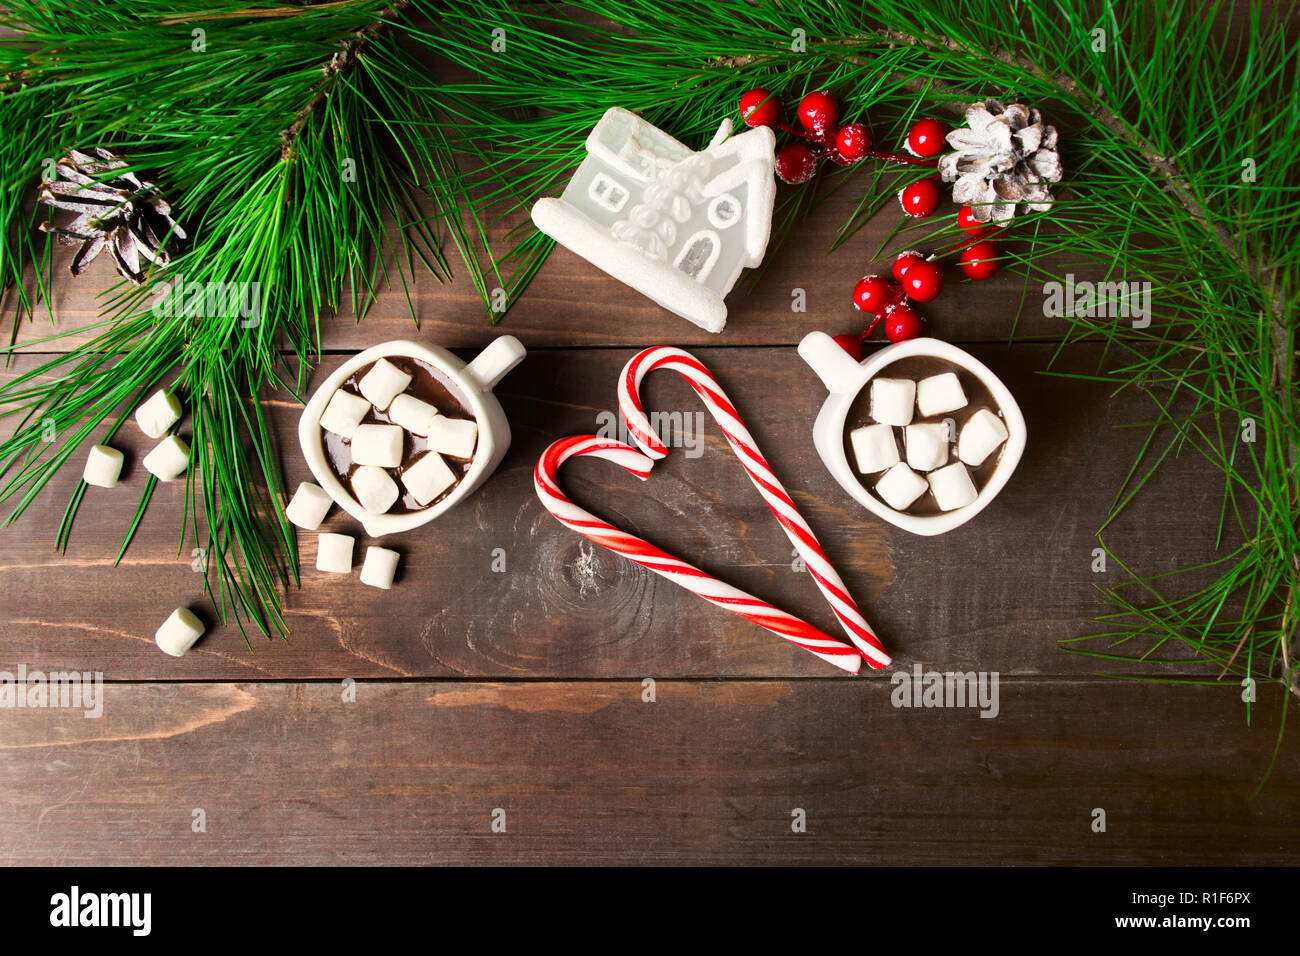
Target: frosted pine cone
1004,156
115,210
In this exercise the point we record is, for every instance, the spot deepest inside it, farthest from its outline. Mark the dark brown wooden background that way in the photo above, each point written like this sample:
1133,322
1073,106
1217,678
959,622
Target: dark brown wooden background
522,690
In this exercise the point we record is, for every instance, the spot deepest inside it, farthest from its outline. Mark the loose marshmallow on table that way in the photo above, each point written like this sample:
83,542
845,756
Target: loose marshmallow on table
428,478
378,445
952,487
874,448
411,413
453,436
892,400
334,552
384,382
179,632
374,489
309,506
103,466
927,445
982,433
344,413
159,413
900,486
938,394
169,459
380,567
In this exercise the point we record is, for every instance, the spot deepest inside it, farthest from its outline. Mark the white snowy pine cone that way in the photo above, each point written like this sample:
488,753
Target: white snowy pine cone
1003,157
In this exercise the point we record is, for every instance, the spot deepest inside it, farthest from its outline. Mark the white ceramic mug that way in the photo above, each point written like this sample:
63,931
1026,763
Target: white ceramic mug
845,378
474,381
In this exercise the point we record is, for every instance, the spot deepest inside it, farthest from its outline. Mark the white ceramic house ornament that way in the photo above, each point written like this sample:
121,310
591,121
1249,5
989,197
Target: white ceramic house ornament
676,225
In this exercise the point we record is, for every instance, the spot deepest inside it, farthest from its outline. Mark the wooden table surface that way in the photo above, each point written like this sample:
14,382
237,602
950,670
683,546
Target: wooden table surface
518,695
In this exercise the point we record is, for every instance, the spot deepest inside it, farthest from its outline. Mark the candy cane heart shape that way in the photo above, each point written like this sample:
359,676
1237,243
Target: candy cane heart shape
717,592
760,473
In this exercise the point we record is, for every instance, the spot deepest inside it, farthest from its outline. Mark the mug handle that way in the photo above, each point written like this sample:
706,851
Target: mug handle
834,366
492,364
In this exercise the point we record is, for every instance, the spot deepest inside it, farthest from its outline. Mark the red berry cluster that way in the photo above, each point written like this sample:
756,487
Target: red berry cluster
918,278
821,136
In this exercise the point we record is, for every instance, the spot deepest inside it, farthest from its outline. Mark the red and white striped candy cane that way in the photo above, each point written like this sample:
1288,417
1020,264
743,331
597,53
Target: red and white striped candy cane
760,473
825,646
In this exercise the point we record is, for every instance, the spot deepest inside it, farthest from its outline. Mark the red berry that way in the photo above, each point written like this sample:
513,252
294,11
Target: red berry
923,280
979,260
902,322
795,163
927,138
851,344
905,261
758,107
853,142
967,222
873,294
818,112
920,198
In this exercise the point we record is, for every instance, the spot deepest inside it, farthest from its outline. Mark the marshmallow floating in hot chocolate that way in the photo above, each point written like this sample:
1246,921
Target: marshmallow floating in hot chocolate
892,400
334,553
982,433
927,445
378,445
344,413
103,466
940,393
900,486
374,488
309,506
952,486
428,478
159,413
453,436
384,382
874,448
412,414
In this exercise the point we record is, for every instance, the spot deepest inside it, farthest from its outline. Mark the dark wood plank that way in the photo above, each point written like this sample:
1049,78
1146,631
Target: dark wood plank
998,593
572,303
410,773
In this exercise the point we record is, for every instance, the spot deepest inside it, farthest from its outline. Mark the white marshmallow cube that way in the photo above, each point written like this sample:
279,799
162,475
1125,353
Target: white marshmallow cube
982,433
384,382
952,487
344,413
938,394
374,488
309,506
169,459
378,445
380,567
927,445
900,486
453,436
892,400
874,448
159,413
428,478
179,632
334,552
103,466
411,413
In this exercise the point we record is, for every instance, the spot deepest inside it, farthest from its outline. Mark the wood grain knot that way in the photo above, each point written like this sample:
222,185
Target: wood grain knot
590,570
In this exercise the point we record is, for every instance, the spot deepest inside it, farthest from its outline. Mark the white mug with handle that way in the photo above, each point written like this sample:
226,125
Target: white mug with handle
473,381
844,378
